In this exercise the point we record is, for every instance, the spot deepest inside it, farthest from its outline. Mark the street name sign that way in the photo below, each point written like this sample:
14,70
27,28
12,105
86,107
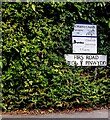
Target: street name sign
86,60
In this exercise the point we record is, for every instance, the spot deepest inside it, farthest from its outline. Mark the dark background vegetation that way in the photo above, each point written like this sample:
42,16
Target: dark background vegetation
35,38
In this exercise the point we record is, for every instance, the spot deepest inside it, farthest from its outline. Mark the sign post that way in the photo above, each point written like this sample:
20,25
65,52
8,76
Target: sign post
84,41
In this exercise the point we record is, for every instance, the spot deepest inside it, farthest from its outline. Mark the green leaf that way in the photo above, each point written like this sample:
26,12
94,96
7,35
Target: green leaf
109,24
30,82
33,7
77,100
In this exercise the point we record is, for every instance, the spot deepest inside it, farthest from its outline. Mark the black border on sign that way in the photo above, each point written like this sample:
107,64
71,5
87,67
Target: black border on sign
87,54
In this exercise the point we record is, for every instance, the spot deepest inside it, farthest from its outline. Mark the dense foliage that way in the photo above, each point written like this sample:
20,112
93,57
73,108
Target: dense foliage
35,38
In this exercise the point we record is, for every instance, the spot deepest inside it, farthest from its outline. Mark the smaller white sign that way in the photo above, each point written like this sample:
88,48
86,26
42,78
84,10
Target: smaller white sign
86,60
84,44
84,30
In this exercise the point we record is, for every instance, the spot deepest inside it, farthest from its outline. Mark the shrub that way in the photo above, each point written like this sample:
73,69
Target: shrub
35,75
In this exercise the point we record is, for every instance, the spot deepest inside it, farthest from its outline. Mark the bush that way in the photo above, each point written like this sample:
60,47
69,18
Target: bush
35,75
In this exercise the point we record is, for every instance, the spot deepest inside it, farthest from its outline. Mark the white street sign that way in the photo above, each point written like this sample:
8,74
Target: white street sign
84,30
84,44
86,60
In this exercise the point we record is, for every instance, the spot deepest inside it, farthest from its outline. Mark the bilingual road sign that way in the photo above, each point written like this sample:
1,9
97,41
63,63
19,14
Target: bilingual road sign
86,60
85,30
84,44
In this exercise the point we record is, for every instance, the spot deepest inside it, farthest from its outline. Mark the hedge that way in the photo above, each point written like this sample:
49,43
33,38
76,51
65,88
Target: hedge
34,73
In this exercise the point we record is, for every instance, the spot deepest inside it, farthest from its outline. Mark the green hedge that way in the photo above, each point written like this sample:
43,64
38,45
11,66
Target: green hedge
35,38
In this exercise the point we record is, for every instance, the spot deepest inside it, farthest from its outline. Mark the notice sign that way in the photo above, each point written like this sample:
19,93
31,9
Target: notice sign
84,44
84,30
86,60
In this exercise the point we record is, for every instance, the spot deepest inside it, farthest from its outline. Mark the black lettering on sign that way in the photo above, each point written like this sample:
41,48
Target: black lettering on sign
91,57
78,30
72,63
91,27
91,32
79,26
102,63
81,62
98,63
75,63
78,57
68,62
91,62
75,42
83,49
